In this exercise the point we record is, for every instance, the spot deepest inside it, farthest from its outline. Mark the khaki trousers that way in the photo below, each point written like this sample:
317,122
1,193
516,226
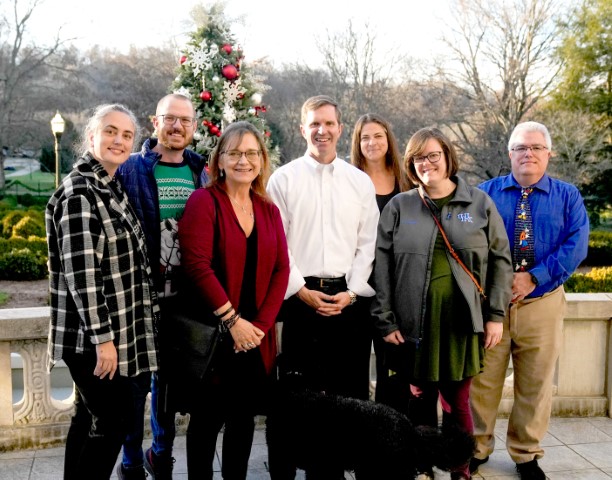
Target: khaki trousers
533,332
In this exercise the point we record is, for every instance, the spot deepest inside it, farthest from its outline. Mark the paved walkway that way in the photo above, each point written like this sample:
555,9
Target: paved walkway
576,448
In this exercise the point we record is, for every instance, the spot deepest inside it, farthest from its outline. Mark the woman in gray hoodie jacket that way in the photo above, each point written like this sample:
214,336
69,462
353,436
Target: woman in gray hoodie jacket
429,310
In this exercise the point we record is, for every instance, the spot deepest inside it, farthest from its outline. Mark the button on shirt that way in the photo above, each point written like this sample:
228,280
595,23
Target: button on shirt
330,218
560,226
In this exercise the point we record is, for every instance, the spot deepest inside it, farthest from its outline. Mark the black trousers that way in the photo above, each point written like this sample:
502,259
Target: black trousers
235,391
332,353
104,411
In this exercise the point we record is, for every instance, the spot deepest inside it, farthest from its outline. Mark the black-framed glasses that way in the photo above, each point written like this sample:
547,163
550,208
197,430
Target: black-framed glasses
433,157
236,155
522,149
171,120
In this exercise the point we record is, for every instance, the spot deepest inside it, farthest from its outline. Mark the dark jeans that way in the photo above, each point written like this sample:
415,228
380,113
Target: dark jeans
162,425
104,409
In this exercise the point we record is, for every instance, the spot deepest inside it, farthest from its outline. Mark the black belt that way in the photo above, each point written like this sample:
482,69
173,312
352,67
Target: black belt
318,283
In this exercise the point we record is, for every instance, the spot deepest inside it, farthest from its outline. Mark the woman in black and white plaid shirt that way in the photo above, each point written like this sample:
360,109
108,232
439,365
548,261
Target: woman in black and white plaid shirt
103,306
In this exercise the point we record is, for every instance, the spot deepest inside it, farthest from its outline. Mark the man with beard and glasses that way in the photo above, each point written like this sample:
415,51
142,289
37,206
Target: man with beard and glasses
158,181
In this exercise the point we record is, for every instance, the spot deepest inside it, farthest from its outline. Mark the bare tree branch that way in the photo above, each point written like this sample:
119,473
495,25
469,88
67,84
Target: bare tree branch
504,54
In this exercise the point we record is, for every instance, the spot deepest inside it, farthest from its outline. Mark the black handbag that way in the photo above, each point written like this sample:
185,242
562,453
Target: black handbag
189,341
194,337
189,346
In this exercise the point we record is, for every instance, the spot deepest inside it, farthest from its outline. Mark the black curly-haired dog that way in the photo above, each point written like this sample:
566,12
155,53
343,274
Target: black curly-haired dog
326,434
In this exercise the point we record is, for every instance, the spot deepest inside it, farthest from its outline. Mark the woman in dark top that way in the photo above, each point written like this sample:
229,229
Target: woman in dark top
375,151
235,258
424,299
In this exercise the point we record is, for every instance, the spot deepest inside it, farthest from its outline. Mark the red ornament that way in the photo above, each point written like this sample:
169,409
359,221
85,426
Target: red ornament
183,59
214,129
227,48
268,133
205,123
218,134
205,95
230,72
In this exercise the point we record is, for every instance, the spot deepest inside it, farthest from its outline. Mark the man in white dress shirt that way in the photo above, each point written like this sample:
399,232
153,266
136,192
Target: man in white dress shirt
329,212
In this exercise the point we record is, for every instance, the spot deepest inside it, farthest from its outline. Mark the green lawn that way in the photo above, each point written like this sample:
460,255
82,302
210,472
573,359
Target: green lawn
35,182
3,298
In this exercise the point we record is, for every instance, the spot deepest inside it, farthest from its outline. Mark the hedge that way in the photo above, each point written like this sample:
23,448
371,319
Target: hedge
600,249
597,280
23,223
23,264
34,244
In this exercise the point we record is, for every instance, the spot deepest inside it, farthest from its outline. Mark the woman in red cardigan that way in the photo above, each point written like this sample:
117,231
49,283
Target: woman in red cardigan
234,253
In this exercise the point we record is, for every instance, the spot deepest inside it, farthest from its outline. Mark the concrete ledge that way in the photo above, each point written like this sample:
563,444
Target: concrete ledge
33,436
13,320
591,306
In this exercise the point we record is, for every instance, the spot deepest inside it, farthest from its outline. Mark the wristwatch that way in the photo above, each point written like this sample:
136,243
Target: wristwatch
534,279
352,295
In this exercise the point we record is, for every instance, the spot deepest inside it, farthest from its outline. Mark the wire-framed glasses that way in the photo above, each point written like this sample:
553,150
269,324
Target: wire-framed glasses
171,119
236,155
522,149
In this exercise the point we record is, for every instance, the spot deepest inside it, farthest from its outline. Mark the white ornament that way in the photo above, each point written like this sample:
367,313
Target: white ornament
215,78
256,99
232,90
229,113
183,91
200,58
252,111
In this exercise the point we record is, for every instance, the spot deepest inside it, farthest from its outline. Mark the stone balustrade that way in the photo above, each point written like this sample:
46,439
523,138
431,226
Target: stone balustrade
583,381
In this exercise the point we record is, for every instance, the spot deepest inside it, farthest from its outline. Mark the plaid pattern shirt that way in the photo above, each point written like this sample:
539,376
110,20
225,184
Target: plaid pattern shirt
99,276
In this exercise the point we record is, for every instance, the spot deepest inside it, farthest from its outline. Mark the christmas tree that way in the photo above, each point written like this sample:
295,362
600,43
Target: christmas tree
221,86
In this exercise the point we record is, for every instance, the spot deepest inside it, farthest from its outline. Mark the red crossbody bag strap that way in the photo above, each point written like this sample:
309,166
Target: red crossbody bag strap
452,250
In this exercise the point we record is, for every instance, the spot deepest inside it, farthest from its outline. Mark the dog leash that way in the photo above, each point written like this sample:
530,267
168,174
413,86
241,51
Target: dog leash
452,250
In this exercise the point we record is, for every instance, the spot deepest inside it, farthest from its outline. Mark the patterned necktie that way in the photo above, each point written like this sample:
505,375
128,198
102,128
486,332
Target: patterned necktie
523,233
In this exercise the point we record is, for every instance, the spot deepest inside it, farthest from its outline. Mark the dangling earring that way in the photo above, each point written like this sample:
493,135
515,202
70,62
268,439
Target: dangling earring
221,173
260,172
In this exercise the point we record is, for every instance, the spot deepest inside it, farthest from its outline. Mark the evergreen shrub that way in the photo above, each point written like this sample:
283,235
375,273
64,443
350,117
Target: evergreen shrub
597,280
23,264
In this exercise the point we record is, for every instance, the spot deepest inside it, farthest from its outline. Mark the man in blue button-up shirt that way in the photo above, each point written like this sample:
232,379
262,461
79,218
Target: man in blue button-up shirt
533,328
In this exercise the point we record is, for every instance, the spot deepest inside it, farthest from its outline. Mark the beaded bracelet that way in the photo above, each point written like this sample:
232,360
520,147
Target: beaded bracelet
230,322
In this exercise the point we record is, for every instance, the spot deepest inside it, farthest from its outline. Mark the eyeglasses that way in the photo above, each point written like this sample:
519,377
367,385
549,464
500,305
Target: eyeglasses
236,155
171,119
522,149
433,157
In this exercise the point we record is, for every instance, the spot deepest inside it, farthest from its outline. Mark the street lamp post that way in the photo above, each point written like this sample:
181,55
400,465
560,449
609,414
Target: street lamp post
57,127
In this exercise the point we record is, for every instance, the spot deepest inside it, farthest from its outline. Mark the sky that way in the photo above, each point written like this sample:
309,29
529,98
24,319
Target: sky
285,31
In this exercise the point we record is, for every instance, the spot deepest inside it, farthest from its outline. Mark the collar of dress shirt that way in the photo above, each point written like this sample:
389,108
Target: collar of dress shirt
315,164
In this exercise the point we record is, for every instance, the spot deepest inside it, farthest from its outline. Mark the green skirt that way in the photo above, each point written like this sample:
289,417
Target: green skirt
449,350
